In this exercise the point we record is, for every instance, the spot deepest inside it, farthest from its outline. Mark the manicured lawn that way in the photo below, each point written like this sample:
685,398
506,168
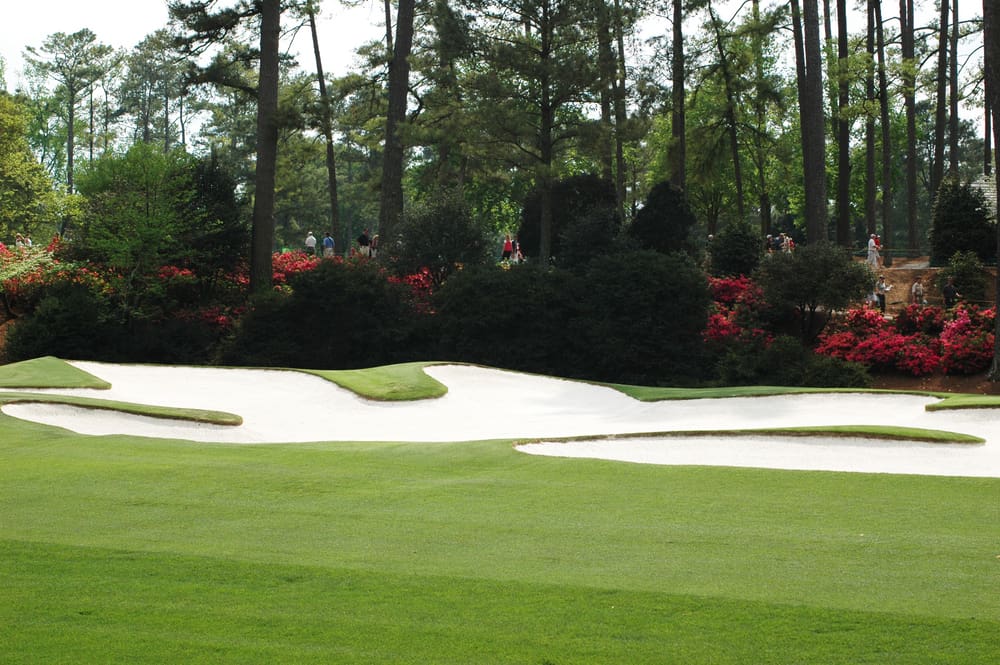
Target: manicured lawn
47,372
121,549
130,550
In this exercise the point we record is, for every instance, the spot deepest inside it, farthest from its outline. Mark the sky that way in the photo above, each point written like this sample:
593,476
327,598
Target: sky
124,23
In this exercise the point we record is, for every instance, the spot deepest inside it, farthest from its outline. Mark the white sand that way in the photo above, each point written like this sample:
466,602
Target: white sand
283,406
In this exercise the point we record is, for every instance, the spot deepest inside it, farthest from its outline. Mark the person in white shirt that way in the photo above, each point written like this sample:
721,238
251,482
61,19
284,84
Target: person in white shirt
873,257
310,244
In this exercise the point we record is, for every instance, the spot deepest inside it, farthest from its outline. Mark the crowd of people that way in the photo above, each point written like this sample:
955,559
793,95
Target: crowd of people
778,243
367,245
511,250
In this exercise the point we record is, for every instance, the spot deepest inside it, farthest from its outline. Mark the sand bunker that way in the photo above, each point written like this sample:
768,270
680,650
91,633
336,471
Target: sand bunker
284,406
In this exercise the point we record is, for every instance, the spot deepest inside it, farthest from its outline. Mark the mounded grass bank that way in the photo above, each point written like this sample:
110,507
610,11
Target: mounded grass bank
402,382
148,410
966,402
847,431
655,394
126,549
48,372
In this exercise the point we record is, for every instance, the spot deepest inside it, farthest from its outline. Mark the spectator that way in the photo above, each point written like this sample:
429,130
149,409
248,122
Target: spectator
917,293
881,288
950,293
364,244
873,259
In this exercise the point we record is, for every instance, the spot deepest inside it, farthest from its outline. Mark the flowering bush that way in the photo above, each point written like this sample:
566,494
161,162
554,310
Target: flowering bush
179,285
173,272
728,290
220,318
26,275
840,344
720,329
865,321
284,264
738,306
421,285
920,319
879,351
967,340
921,340
920,356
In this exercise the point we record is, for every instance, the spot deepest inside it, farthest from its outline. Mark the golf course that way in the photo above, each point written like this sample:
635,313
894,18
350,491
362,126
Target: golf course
125,548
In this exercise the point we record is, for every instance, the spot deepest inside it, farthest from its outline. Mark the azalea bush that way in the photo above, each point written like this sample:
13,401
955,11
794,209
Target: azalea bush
737,314
746,352
920,319
26,275
920,341
967,340
421,284
285,264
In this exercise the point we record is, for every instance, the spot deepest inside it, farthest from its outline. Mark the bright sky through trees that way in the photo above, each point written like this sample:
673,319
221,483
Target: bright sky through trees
124,23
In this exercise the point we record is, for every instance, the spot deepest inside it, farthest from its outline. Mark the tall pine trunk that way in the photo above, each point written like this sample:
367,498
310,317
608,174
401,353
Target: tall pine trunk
909,100
545,137
678,144
941,107
991,62
843,131
809,76
730,114
262,236
760,116
326,120
391,208
886,127
607,68
954,93
621,117
870,183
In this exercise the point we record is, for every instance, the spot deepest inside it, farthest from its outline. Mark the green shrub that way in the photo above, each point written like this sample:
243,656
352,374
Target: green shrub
70,321
634,317
642,315
594,233
735,250
515,318
961,223
829,372
807,285
340,315
665,221
573,200
786,362
439,234
971,279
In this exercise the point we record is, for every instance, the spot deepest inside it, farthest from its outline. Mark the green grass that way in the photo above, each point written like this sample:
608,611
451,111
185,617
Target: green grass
390,383
149,410
655,394
118,549
47,372
966,402
124,549
854,431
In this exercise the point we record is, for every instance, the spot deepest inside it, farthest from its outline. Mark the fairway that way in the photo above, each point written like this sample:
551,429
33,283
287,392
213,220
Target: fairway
132,549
